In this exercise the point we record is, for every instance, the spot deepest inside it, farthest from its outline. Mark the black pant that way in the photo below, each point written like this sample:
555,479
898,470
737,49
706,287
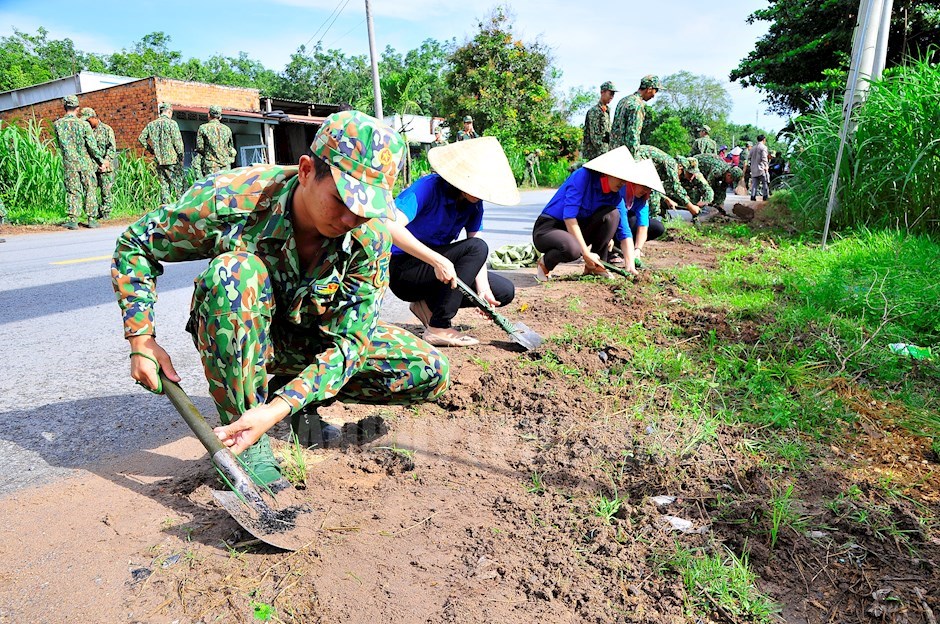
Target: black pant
412,279
552,238
654,230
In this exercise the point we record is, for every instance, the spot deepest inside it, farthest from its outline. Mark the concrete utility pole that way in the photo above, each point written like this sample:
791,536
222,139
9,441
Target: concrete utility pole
869,54
376,88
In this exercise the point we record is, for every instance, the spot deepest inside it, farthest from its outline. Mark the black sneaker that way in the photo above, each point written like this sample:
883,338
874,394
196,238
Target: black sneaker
313,432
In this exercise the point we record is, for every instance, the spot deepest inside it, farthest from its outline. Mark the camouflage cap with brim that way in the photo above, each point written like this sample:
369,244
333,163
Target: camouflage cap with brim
88,113
689,165
608,86
650,82
71,101
215,110
364,156
736,174
164,107
468,119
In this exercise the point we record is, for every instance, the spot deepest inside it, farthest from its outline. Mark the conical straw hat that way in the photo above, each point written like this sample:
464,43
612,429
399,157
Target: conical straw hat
644,172
617,162
477,167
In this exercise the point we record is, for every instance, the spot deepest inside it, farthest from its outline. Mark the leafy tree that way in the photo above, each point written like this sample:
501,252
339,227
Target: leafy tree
671,137
27,60
324,76
702,98
804,56
507,85
151,56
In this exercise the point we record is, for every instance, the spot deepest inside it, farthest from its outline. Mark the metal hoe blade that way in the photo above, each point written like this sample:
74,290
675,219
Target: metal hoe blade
526,337
519,333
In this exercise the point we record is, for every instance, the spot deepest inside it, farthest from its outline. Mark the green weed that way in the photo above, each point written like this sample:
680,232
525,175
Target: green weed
606,508
535,486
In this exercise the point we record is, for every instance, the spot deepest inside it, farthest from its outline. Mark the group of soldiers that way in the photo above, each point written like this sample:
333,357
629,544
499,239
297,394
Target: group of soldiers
89,155
691,182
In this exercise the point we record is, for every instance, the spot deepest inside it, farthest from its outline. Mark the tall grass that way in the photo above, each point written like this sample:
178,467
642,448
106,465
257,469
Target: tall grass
32,185
890,173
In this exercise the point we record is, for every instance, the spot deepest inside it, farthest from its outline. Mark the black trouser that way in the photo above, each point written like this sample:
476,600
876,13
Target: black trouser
553,239
654,230
412,279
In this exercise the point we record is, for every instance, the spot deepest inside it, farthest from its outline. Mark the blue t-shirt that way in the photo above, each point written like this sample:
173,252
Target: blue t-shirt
437,212
582,195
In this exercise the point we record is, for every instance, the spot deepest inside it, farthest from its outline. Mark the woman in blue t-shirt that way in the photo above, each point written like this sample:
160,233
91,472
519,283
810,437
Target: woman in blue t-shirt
431,214
590,209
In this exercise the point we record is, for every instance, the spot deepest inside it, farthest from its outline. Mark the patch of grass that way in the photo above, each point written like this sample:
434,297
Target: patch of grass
723,582
483,364
606,508
535,485
397,450
294,463
782,513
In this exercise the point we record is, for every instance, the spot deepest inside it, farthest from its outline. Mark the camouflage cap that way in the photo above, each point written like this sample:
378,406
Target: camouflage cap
608,86
650,82
468,119
736,174
364,155
88,113
70,101
215,110
689,165
706,128
164,107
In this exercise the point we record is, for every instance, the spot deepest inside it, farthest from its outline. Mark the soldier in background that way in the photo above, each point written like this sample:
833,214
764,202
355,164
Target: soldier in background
531,166
631,113
161,137
694,183
438,137
214,144
669,172
80,157
597,124
719,175
104,137
468,132
704,144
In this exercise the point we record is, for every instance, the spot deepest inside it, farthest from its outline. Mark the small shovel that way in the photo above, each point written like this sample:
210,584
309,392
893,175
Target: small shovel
616,269
519,332
281,523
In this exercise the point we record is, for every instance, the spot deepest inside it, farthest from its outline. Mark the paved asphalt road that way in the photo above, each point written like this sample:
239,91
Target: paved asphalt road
66,400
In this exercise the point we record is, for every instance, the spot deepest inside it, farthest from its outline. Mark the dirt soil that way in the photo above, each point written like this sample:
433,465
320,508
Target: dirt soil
443,521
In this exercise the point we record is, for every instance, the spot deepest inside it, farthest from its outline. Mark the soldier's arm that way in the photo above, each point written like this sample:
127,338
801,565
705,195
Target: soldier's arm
178,141
200,141
144,138
112,146
707,194
91,144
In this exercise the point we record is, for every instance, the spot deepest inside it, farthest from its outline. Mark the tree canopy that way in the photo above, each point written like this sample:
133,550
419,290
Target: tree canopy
804,57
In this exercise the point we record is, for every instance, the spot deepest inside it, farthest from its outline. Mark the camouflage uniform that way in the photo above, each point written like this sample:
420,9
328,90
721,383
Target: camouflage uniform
704,145
596,131
531,165
628,122
80,158
104,137
161,137
668,171
714,170
463,135
257,310
215,147
697,188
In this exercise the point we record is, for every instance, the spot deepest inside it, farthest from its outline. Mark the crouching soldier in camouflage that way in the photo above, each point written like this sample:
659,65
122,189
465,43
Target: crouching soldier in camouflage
694,183
670,172
719,175
298,269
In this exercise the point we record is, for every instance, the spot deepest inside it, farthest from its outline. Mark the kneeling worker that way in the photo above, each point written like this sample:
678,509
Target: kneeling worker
432,212
298,265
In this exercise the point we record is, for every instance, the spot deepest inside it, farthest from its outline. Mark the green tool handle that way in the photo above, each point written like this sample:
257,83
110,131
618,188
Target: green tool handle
616,269
484,305
191,415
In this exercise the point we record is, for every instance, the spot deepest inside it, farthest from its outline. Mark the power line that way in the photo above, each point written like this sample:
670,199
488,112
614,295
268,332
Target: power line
343,36
334,20
337,8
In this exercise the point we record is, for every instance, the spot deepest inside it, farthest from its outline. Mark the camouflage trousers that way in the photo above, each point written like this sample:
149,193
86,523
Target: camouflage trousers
171,182
81,191
106,184
232,324
721,194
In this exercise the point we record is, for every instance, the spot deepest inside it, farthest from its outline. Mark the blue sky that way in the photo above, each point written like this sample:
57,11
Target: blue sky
619,40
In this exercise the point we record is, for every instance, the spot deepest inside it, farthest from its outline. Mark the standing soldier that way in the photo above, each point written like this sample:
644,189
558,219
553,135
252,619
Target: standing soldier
630,114
719,175
597,125
161,137
468,132
214,144
531,166
438,137
104,137
80,156
704,144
